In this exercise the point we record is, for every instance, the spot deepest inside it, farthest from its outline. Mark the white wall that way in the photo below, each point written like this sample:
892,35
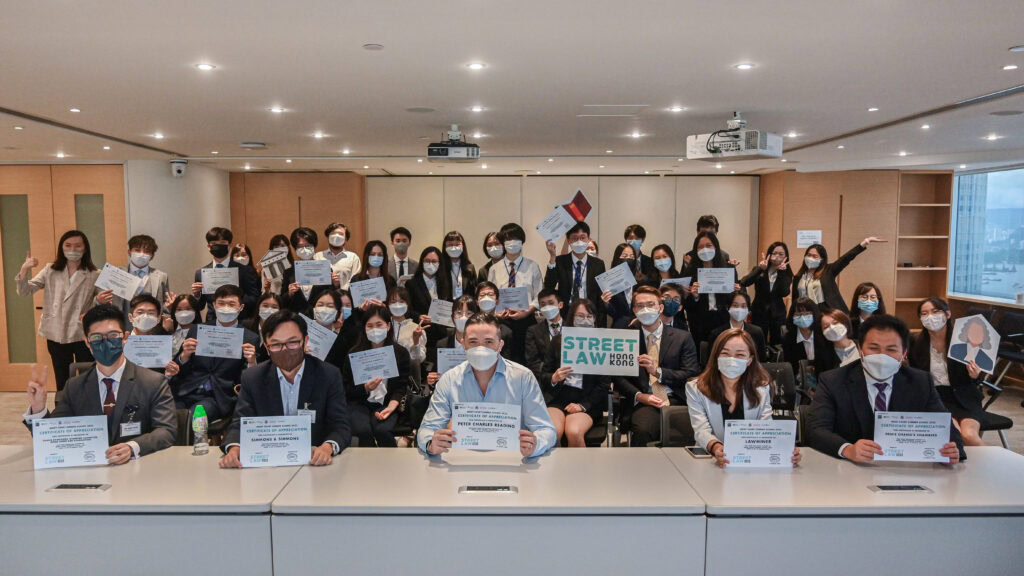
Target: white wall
176,212
668,207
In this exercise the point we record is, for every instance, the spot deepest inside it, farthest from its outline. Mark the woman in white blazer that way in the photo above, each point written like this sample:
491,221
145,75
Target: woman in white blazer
734,386
69,285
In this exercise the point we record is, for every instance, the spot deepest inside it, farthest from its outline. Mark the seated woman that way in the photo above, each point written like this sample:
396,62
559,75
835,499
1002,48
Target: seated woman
268,305
958,384
464,307
806,342
408,330
577,400
739,317
373,405
867,300
328,310
620,306
835,327
734,386
183,313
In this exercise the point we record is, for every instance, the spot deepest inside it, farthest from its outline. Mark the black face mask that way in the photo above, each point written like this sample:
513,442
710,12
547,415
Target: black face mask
219,250
286,359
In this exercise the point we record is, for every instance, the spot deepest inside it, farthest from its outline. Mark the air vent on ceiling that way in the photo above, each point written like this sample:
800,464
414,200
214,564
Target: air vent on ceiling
253,145
1006,113
420,109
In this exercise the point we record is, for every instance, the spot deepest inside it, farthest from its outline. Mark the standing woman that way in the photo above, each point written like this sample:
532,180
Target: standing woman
428,283
705,312
817,277
184,312
835,327
620,306
867,300
68,284
665,266
459,270
242,256
375,256
328,311
373,405
772,280
274,284
495,251
958,384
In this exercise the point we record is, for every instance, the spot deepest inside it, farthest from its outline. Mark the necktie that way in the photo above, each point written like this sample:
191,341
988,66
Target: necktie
109,402
657,388
140,273
880,398
556,329
401,268
577,281
512,275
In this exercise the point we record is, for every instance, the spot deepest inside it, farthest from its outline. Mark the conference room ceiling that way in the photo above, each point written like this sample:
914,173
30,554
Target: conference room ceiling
566,81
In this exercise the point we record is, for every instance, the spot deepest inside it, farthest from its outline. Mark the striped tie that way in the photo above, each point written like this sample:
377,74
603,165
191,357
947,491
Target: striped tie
512,275
880,405
577,282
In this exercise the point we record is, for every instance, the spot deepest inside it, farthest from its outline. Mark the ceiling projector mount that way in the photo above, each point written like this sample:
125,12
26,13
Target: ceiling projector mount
734,142
453,149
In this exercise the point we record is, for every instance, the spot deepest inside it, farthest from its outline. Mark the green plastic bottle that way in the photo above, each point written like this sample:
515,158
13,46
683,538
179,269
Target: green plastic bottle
200,444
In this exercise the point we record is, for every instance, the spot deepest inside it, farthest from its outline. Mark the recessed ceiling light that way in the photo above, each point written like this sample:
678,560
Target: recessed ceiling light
373,47
680,159
608,151
18,128
477,108
214,152
277,109
872,109
744,66
676,109
476,65
538,171
993,137
647,172
636,134
318,135
719,166
925,126
903,153
247,167
840,147
419,160
205,67
60,154
962,166
483,166
732,171
345,151
551,159
783,160
1017,48
158,135
106,147
477,135
1010,67
288,161
601,166
792,134
430,173
366,167
75,110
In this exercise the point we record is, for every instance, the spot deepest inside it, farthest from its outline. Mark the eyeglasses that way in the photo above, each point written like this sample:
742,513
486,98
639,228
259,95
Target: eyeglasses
94,338
279,346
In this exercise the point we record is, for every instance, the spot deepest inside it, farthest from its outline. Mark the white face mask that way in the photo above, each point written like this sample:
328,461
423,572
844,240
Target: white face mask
336,240
325,315
185,316
835,332
579,247
481,357
226,315
738,314
550,312
460,323
592,253
453,251
706,254
305,253
375,261
73,255
731,367
267,312
934,321
242,260
663,264
880,366
141,259
398,308
377,335
513,246
487,303
144,322
648,316
582,322
812,263
430,267
495,251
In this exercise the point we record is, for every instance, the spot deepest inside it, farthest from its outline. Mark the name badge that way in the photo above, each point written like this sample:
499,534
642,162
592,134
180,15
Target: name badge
311,413
131,428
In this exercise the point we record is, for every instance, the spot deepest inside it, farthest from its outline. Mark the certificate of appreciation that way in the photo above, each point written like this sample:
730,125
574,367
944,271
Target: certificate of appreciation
486,426
275,441
912,436
64,442
760,443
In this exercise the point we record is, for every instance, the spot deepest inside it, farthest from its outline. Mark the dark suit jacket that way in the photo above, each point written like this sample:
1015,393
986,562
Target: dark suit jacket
561,277
142,396
983,359
756,334
593,396
829,287
410,266
298,302
824,352
841,412
769,305
701,319
538,340
620,311
469,278
250,285
320,390
224,372
966,391
397,386
677,358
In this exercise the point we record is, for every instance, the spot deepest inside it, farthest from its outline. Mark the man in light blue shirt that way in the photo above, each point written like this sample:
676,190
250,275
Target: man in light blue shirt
486,377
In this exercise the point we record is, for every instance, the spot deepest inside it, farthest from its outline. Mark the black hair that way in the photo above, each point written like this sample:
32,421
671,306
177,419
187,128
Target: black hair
61,262
238,248
743,294
584,302
363,343
718,261
707,221
228,290
484,318
192,302
305,233
821,267
635,229
102,312
255,321
936,302
219,234
283,316
672,270
384,263
512,231
617,254
546,292
142,242
487,284
807,305
578,227
862,289
401,230
884,322
465,300
144,299
456,236
400,292
494,235
773,246
281,241
335,299
334,226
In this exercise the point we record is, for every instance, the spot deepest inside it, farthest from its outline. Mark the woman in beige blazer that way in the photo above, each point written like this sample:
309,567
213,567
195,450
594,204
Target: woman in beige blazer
68,285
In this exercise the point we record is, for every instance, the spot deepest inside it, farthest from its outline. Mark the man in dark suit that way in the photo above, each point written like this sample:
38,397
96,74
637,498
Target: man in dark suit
643,265
218,240
841,420
292,383
539,336
668,358
574,275
209,380
137,403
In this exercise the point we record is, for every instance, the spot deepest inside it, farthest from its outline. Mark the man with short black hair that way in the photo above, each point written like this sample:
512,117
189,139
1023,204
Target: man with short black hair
344,263
137,402
516,270
218,241
141,250
841,419
574,275
402,264
539,336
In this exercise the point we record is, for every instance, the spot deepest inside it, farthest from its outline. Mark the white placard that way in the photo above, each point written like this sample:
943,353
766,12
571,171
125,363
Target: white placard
716,280
516,298
214,278
912,436
974,339
313,273
600,351
219,341
373,363
64,442
149,351
684,282
556,224
448,358
366,289
123,284
618,279
275,441
441,312
760,443
807,238
486,426
321,338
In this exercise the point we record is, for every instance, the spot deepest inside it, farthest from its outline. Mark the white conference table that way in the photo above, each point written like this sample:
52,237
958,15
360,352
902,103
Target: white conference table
573,511
166,513
822,517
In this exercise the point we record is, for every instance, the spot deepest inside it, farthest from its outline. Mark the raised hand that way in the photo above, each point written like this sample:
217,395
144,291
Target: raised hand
37,388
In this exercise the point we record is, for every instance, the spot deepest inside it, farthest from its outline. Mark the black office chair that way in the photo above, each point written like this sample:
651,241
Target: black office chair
785,394
705,351
184,437
1010,326
999,424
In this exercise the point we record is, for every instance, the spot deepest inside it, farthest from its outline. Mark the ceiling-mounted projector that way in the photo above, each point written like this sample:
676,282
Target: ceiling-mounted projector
454,149
734,143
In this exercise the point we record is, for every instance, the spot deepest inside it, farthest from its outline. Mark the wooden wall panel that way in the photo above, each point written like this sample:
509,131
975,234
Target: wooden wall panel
770,219
869,209
811,203
106,180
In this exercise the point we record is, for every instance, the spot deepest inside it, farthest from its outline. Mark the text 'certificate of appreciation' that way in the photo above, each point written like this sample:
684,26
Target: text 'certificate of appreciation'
486,426
214,278
64,442
275,441
760,443
716,280
373,363
148,351
448,358
218,341
123,284
321,338
912,436
618,279
365,289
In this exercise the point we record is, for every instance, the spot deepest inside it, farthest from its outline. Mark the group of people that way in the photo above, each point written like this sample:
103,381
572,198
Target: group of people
854,358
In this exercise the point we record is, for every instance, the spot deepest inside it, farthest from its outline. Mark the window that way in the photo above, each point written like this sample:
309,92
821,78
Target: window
987,259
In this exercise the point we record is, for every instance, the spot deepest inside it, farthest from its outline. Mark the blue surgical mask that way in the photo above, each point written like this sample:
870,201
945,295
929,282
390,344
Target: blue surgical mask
663,264
671,307
635,244
869,306
375,261
107,351
346,312
803,320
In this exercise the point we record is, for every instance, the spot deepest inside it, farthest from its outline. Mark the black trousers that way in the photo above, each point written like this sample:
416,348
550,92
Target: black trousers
63,355
645,423
370,431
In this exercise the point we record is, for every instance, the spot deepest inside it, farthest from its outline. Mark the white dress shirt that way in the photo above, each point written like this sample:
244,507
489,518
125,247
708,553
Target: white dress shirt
572,273
345,264
456,278
937,367
431,284
808,343
527,274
